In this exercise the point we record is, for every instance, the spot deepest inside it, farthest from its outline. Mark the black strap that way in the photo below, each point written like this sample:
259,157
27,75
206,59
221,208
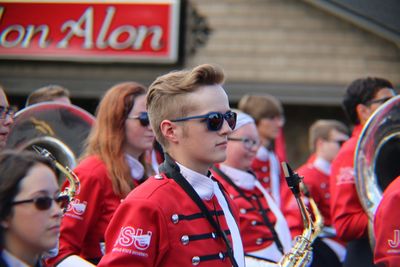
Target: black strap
170,168
260,207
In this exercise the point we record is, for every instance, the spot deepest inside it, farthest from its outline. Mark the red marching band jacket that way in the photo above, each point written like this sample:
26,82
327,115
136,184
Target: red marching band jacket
158,224
87,217
387,227
257,237
268,170
348,216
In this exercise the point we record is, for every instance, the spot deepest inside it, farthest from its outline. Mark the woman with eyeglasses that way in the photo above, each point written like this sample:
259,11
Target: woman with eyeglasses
265,232
30,208
112,164
6,118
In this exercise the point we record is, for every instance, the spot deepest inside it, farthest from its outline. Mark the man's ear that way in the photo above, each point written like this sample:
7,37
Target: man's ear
169,130
363,113
318,143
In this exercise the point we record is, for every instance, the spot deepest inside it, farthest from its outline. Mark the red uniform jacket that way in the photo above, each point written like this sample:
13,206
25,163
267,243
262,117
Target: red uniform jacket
158,224
256,235
262,170
84,223
387,227
349,218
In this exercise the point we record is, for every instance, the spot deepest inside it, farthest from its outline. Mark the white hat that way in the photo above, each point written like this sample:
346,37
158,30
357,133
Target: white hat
242,119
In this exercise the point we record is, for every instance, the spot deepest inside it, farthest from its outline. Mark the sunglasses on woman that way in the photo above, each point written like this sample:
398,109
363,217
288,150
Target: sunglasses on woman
143,118
45,202
214,120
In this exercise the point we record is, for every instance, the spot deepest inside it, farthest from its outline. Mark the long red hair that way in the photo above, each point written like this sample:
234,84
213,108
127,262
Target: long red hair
107,137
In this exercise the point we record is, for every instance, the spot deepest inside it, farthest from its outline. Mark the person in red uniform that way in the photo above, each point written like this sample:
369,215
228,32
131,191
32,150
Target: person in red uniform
362,98
264,230
111,166
181,217
267,111
325,140
387,227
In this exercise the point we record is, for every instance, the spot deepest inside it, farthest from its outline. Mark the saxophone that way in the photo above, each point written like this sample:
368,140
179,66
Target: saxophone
301,253
72,178
318,222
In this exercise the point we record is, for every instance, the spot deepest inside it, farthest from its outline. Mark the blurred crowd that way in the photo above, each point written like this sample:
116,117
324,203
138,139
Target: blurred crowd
171,175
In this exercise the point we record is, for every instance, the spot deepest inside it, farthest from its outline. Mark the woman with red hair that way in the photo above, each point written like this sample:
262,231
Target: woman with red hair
112,164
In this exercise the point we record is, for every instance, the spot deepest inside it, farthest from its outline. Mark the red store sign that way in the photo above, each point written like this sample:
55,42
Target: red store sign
78,30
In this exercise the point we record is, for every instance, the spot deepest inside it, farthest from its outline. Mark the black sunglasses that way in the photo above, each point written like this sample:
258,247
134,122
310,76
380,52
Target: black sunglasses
143,118
378,101
339,142
45,202
214,120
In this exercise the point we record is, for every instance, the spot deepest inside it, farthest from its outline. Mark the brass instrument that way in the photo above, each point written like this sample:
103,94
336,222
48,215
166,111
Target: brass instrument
376,157
301,253
59,128
72,178
318,222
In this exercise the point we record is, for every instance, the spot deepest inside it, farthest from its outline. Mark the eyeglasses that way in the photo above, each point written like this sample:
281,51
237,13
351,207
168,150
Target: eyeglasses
378,101
247,142
143,118
214,120
7,111
45,202
280,118
339,142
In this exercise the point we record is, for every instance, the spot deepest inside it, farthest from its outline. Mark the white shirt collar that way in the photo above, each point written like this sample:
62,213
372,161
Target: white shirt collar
11,260
241,178
137,169
262,153
202,184
322,165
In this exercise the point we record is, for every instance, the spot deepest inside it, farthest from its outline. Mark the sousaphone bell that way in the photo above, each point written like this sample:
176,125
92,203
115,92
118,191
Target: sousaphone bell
57,127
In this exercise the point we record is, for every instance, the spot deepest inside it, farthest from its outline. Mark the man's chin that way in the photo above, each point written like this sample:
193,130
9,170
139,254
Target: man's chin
220,158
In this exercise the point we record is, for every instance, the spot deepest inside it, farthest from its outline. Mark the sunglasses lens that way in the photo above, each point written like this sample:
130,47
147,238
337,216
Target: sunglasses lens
43,203
230,117
144,119
215,121
63,201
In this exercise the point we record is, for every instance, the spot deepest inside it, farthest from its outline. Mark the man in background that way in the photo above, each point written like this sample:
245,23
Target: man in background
362,98
55,93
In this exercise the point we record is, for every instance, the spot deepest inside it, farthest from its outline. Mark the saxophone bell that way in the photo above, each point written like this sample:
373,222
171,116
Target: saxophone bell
72,178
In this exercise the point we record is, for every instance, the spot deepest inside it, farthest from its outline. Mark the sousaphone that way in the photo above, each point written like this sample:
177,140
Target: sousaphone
377,156
57,127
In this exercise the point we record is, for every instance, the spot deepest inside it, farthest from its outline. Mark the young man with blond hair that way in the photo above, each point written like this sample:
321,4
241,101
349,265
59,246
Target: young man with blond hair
181,217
